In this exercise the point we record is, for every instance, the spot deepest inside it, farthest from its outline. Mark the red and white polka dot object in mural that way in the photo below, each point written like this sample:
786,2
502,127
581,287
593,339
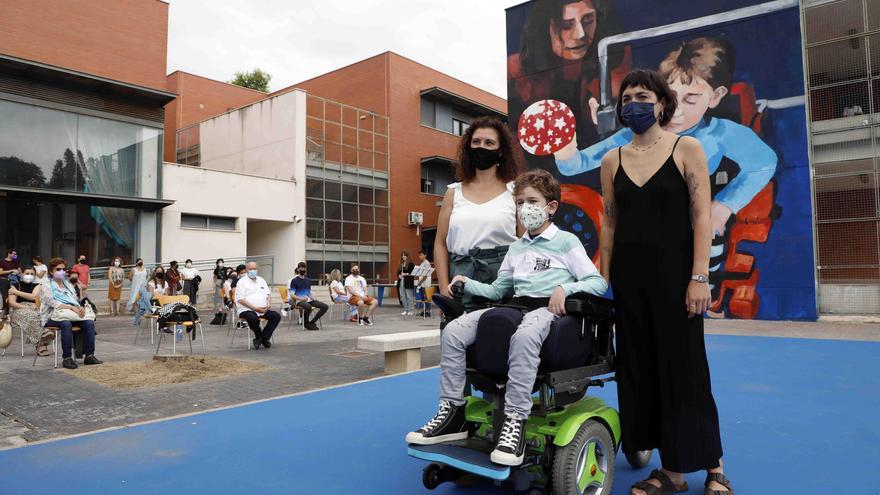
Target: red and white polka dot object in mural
545,127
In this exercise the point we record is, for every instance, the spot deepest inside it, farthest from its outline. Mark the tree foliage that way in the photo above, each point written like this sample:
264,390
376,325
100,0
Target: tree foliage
255,79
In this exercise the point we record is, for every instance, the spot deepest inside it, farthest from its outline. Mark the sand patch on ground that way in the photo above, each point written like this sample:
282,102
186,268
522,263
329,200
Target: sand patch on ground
163,370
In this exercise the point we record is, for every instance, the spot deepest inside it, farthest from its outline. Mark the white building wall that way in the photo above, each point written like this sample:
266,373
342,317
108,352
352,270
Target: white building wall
209,192
258,150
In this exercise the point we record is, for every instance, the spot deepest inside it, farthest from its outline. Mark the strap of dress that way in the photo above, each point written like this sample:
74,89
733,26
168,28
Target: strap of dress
676,144
619,159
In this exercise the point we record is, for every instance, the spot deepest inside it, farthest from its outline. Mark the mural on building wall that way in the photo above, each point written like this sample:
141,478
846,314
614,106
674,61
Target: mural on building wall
736,66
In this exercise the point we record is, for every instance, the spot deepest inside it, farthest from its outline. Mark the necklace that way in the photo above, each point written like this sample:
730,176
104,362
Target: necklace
645,148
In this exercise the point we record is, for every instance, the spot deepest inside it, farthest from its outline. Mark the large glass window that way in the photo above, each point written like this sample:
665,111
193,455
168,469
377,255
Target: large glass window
50,228
45,148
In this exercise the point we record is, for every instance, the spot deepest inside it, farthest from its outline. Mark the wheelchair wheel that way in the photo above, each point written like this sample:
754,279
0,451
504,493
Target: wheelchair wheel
586,465
639,459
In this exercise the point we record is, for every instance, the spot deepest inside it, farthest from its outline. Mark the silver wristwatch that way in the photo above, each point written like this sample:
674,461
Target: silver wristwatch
700,278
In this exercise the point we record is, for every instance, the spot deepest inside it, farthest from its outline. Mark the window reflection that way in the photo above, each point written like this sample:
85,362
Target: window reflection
45,148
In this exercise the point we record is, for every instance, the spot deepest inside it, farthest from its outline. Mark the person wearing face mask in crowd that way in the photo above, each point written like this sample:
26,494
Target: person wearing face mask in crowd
253,300
25,316
300,290
115,279
356,285
655,243
172,276
219,277
83,274
158,284
58,293
477,221
541,269
138,276
9,272
191,281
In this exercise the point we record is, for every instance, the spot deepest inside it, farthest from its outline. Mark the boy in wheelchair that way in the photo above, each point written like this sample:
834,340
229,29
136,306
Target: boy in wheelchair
542,268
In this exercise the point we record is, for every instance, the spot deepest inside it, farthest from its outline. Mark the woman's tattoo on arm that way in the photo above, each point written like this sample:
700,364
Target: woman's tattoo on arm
609,209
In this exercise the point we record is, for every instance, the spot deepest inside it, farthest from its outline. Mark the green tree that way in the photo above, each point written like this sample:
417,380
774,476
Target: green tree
16,172
255,79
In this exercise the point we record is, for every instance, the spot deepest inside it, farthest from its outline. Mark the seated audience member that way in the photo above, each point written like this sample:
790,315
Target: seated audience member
301,297
57,294
25,316
253,300
340,295
356,285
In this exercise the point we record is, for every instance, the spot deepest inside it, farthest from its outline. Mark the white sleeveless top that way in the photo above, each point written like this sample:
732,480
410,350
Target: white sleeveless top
485,226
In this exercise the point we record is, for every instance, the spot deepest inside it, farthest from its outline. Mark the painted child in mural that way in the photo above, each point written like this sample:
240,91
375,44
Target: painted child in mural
700,71
558,59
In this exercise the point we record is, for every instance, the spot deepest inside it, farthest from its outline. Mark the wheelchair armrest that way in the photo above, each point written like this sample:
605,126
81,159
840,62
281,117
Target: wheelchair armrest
589,306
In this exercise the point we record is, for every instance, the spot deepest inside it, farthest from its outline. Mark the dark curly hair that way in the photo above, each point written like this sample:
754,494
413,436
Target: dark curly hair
542,181
655,83
511,163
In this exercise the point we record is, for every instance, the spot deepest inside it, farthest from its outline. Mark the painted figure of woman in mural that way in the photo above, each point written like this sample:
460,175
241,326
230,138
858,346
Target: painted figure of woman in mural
558,59
700,72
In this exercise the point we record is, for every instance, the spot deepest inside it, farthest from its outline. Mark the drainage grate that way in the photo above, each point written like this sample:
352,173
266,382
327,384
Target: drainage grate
353,354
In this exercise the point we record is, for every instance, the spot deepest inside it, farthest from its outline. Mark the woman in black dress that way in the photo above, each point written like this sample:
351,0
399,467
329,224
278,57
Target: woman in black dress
655,247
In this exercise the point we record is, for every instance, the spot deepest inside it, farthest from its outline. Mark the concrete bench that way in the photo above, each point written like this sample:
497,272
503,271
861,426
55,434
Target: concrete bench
402,350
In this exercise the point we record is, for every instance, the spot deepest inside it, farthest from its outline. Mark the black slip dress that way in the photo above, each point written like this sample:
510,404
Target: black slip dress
663,381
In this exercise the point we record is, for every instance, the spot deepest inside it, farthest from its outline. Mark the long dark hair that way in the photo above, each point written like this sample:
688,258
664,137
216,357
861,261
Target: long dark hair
535,45
511,163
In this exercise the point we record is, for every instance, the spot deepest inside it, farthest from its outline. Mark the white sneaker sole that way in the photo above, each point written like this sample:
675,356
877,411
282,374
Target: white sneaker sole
505,459
419,439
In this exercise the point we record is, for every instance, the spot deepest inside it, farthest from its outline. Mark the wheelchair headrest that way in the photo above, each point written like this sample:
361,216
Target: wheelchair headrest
589,306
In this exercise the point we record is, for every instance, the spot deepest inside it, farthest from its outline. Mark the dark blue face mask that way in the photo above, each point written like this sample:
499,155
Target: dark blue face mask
638,116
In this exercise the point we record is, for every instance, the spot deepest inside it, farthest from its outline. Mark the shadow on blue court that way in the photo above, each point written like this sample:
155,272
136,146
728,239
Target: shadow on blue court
797,416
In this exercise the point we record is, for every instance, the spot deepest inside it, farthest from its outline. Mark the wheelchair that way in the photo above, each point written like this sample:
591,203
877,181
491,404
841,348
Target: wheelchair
571,438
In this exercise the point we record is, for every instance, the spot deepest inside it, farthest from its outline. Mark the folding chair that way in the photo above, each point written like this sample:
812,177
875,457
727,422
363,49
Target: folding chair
163,300
333,305
152,318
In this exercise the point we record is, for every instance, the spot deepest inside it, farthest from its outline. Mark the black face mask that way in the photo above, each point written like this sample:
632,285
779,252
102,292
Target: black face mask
482,158
160,274
83,261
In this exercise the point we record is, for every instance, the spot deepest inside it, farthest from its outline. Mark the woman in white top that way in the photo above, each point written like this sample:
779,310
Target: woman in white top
40,270
157,284
339,294
188,275
478,222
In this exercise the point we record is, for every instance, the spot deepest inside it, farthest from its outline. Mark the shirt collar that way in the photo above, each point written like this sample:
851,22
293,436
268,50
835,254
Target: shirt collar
549,233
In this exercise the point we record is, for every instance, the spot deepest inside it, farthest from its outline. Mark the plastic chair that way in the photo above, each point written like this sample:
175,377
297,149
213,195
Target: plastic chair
163,300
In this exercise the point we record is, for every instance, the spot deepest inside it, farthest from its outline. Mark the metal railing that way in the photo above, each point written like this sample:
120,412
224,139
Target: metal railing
265,265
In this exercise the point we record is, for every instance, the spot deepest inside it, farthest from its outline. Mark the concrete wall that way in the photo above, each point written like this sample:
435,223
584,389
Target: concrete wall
259,139
125,40
201,191
199,98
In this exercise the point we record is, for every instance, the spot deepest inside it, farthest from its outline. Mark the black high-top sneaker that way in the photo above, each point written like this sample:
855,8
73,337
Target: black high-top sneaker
511,443
449,424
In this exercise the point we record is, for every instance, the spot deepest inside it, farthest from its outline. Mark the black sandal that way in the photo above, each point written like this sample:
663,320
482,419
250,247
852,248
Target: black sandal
666,485
721,480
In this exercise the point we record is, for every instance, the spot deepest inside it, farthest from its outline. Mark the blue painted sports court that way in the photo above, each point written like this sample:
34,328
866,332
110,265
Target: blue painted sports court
797,416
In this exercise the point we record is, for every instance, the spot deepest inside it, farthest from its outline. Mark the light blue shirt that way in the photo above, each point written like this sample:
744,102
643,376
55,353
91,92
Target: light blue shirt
719,138
535,267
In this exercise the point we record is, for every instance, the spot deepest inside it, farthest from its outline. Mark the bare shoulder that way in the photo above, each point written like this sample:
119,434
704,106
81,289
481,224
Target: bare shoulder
689,144
610,160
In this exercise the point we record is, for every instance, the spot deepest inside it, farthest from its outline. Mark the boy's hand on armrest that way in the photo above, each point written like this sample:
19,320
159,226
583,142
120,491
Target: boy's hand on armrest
557,302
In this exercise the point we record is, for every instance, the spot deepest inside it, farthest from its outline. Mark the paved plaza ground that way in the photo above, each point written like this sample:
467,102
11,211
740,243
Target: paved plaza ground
40,403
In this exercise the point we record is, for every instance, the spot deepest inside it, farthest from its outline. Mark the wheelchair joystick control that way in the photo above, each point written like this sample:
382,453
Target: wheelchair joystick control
457,289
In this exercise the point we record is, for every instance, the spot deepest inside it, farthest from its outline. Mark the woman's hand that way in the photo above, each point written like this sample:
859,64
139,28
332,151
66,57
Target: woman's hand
698,298
557,302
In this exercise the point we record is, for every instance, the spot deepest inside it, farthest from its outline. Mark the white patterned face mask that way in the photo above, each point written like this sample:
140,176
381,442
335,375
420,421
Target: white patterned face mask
532,216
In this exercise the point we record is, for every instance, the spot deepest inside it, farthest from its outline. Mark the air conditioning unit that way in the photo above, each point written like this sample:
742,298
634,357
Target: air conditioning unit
414,217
